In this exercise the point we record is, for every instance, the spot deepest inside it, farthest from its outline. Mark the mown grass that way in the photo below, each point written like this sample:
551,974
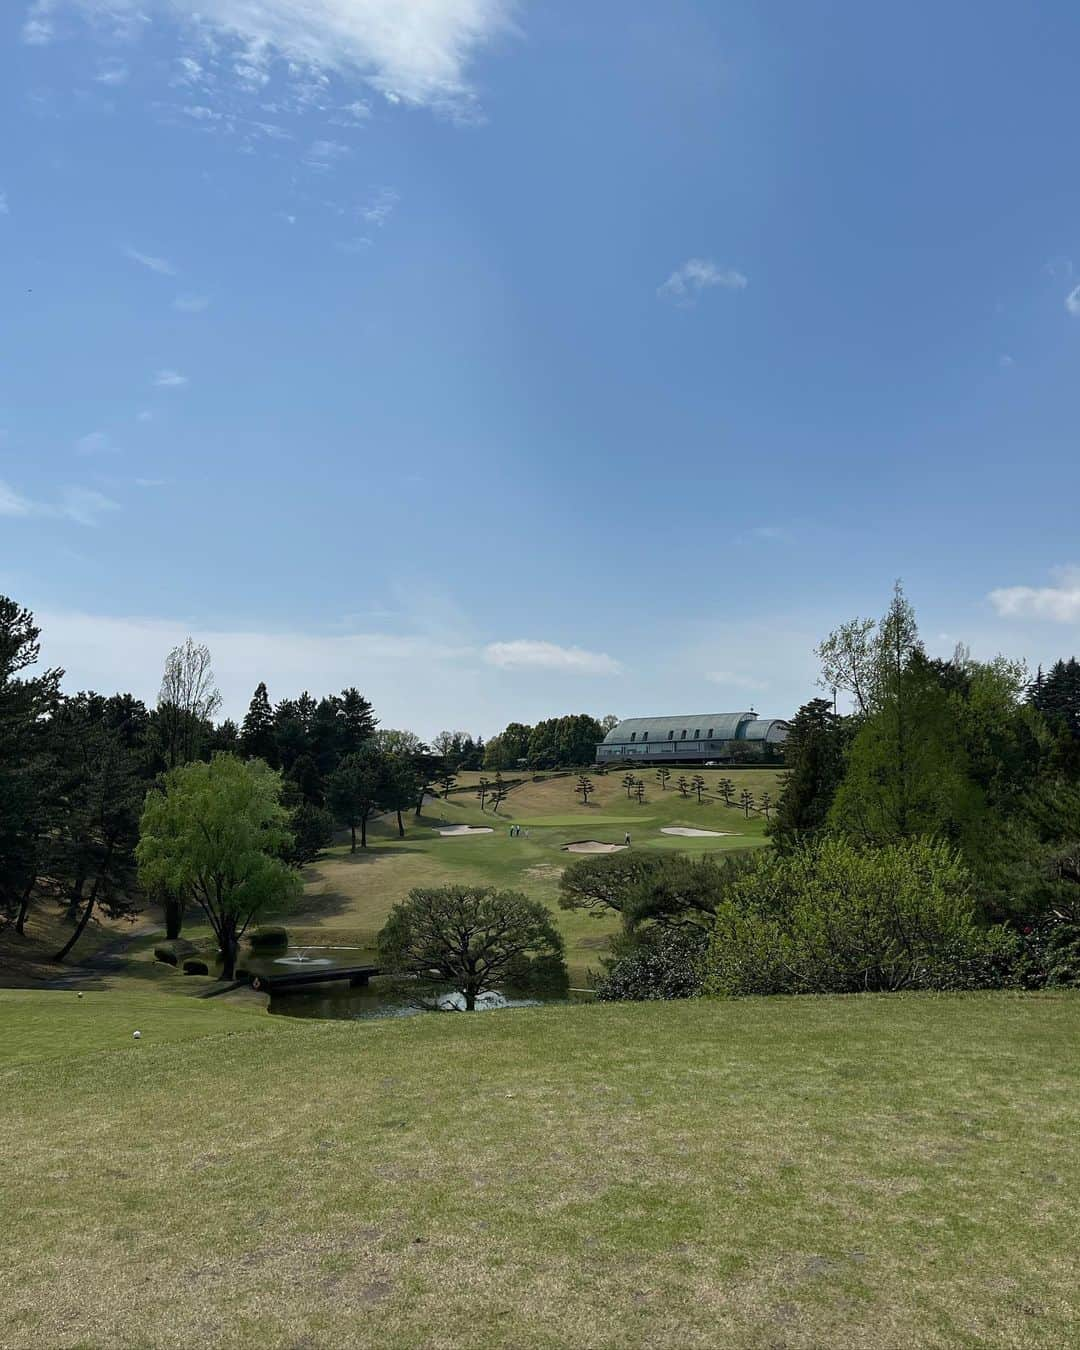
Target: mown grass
875,1172
71,1024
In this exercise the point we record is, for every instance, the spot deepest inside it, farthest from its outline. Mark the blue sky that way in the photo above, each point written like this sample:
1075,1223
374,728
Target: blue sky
507,360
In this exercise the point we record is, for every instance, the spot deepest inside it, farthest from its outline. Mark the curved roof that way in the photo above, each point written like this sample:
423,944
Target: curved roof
724,727
770,729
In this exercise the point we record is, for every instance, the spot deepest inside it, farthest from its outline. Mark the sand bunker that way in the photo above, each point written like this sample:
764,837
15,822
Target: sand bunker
455,831
592,846
687,830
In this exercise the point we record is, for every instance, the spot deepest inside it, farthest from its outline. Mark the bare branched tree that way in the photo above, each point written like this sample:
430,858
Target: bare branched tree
187,701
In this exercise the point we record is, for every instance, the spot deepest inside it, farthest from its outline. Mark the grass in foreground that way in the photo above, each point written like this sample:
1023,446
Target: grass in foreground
869,1171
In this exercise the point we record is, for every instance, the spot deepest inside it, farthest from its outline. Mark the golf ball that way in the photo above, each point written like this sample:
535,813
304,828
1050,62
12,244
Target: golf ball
136,1035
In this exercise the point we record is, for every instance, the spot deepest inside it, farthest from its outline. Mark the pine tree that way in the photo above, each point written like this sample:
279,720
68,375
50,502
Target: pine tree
814,754
356,721
25,776
257,732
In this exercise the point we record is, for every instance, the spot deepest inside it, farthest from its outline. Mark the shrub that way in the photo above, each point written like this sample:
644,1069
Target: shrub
836,918
269,939
172,951
539,975
1047,955
670,963
195,965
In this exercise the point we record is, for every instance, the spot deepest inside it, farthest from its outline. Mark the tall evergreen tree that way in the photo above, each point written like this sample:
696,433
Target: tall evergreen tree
398,790
257,731
355,789
356,721
290,737
814,754
25,770
103,794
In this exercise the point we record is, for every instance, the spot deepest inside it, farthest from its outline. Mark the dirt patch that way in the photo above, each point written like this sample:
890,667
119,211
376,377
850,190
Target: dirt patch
545,872
592,846
691,833
457,831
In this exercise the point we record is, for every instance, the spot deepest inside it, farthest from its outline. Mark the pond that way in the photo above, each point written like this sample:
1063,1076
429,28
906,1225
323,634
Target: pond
342,1001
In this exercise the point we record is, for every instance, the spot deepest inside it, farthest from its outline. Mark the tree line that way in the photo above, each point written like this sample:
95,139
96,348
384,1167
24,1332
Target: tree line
79,772
929,837
556,743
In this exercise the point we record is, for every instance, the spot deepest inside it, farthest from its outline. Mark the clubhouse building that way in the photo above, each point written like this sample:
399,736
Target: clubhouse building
728,738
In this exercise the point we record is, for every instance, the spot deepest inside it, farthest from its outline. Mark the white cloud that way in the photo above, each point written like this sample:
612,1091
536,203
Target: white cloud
1059,604
159,265
417,52
82,505
152,482
5,210
324,154
170,379
199,112
113,74
696,275
526,654
416,681
352,114
188,71
38,28
1006,362
380,208
11,503
191,304
94,443
144,416
1072,302
355,245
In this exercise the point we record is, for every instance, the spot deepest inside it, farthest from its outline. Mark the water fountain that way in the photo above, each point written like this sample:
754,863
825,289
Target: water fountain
485,1001
301,958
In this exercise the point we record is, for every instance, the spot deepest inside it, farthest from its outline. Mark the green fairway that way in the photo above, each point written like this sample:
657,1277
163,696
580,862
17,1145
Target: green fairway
350,895
873,1171
594,818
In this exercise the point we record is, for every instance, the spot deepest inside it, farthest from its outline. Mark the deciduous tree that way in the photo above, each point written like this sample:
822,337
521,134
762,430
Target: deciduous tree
187,702
217,831
472,937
